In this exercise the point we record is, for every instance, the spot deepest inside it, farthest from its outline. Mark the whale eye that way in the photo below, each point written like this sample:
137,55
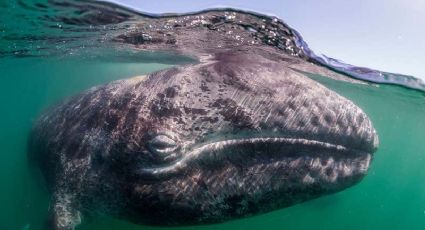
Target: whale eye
163,145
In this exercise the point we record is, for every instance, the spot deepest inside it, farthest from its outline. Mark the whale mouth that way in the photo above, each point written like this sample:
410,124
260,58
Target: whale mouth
325,160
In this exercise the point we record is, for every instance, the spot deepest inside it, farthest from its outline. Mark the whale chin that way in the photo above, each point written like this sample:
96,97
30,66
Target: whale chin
247,176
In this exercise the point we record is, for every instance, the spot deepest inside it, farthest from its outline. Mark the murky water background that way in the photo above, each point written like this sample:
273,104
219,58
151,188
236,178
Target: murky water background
392,196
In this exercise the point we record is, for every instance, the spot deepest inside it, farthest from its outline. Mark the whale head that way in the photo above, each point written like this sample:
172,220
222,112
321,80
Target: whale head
232,137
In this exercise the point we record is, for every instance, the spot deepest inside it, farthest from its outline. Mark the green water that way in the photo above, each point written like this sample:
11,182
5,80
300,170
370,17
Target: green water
392,196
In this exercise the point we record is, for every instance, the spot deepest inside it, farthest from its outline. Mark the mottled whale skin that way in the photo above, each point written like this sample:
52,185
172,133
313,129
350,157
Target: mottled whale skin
238,134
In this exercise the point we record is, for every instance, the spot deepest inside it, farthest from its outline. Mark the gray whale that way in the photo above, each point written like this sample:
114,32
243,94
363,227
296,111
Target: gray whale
239,133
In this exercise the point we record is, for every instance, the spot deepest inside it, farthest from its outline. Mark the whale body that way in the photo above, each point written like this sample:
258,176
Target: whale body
238,133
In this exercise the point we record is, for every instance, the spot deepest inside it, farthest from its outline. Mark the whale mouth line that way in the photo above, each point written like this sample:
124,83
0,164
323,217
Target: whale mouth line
275,140
275,149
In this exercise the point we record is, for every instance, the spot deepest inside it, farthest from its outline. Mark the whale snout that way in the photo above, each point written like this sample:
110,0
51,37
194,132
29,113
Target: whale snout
322,115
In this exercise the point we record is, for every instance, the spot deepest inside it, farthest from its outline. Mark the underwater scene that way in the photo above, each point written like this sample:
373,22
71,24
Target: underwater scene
218,119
